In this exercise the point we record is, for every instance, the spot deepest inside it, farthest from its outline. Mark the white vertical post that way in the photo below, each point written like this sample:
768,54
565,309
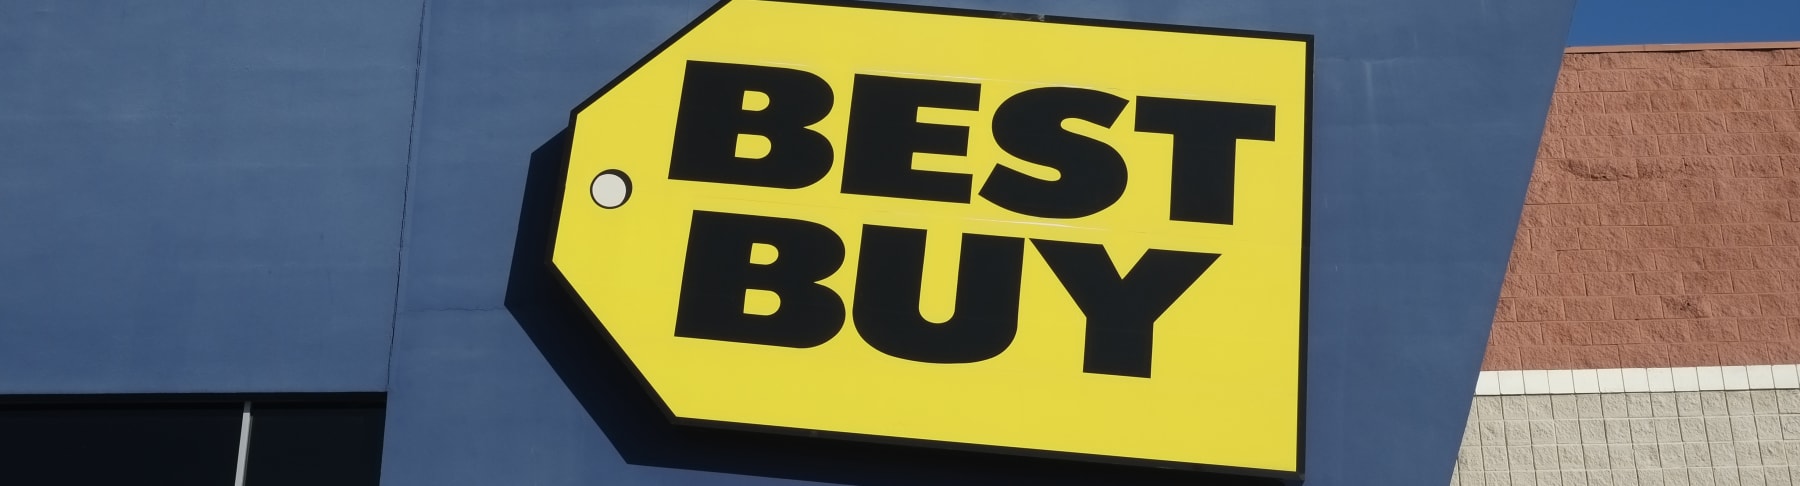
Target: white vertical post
243,445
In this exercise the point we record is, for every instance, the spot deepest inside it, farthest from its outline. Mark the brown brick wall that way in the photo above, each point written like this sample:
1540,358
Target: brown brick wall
1662,223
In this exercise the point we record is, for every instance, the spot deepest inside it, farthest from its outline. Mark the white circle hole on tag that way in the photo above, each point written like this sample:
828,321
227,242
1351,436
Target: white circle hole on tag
611,189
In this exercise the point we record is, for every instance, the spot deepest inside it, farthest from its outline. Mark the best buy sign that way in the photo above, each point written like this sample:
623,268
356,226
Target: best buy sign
1053,236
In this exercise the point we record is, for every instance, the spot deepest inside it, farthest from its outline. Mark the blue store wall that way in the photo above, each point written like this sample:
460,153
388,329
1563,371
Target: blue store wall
256,196
201,196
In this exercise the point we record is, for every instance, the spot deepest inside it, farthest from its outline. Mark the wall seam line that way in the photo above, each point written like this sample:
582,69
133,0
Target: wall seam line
412,143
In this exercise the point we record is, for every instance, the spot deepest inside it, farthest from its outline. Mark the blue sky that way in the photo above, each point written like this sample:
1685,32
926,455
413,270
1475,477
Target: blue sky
1612,22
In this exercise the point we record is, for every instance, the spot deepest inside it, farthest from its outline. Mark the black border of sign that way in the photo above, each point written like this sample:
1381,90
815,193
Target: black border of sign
1305,248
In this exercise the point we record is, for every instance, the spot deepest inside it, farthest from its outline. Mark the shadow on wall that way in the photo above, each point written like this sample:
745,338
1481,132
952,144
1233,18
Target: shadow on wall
587,362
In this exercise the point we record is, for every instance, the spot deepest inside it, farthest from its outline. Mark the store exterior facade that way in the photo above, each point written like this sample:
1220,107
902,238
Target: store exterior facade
1649,326
268,242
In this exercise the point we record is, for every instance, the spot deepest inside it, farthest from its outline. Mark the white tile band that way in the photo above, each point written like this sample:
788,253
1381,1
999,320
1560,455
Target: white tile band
1634,380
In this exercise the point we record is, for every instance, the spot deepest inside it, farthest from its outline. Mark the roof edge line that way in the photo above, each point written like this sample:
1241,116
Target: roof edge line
1722,46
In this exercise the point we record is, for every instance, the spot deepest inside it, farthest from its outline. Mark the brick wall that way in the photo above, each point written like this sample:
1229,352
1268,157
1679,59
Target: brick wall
1662,224
1709,438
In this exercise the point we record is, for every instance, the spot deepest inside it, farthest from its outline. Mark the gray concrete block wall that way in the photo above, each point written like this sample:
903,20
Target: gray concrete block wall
1700,438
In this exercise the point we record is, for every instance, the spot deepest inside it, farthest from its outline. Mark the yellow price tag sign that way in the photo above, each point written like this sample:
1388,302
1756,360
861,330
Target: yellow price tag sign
1051,236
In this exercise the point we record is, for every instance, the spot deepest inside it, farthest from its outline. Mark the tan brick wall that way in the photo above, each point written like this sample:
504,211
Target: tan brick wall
1662,223
1710,438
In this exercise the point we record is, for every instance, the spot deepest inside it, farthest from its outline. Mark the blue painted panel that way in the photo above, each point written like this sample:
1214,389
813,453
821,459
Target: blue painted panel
201,196
1427,115
500,79
498,413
